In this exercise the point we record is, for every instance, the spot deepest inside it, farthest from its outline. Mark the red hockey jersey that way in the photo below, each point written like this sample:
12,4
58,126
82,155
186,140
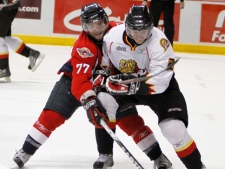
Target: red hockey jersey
86,58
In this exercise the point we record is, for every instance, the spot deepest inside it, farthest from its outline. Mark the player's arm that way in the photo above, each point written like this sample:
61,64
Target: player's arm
82,78
83,90
84,61
161,57
137,84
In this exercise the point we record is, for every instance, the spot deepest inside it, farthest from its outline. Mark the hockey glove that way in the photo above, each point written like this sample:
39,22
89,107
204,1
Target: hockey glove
114,87
99,80
95,111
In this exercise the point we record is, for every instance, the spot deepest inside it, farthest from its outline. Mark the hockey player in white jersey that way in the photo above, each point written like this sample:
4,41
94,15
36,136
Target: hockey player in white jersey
137,49
8,11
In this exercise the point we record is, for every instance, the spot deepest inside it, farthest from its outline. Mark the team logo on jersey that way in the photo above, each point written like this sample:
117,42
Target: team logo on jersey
127,66
84,52
164,43
141,51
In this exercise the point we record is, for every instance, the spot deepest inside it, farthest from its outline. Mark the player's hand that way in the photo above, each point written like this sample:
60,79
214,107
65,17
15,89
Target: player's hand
98,81
95,111
114,87
100,78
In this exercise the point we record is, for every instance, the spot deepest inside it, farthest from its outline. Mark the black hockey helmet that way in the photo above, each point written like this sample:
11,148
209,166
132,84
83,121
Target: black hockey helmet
139,18
91,13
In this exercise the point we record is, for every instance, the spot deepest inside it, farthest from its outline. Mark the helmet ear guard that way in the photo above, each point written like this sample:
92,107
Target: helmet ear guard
92,13
139,18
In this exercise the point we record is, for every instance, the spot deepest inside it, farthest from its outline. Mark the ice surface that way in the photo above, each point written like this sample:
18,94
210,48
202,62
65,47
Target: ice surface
73,146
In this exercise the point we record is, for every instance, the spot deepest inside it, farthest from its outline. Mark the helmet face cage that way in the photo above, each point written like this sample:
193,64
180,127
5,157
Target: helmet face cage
91,13
139,18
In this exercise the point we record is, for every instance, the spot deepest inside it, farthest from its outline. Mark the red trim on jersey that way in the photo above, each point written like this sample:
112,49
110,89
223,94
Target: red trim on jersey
4,56
148,54
184,153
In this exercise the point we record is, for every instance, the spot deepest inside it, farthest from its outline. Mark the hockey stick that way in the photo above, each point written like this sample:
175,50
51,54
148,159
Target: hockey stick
138,79
115,138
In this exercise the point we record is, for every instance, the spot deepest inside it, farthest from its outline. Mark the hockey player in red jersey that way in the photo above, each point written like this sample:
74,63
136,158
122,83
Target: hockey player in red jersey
137,49
8,11
75,87
61,103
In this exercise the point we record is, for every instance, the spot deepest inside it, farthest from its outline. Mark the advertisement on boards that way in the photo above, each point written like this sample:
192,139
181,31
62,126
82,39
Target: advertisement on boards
212,23
30,9
67,21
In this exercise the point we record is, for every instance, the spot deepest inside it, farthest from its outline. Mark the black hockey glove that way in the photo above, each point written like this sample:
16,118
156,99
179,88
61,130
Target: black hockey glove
95,111
114,87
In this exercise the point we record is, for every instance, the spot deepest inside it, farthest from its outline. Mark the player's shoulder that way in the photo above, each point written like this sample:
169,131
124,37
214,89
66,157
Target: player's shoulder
157,33
114,32
84,47
158,40
114,23
158,45
83,40
118,27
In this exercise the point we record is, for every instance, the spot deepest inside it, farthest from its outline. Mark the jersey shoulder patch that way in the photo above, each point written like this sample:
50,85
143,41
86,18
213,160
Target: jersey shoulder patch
84,52
164,43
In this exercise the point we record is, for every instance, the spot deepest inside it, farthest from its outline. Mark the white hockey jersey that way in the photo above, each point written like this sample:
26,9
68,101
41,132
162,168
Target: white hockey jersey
152,56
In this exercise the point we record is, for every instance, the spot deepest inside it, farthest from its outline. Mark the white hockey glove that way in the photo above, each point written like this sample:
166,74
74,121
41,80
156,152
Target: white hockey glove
114,87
